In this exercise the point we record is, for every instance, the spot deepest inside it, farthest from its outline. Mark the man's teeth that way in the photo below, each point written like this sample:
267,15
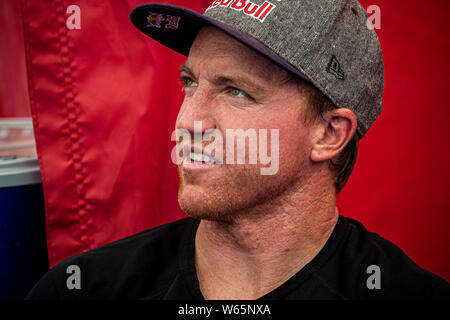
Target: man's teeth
200,157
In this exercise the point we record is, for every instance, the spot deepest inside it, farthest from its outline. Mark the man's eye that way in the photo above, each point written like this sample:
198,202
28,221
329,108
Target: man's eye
238,93
188,82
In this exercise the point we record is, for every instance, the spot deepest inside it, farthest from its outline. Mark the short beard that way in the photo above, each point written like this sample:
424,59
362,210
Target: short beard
243,190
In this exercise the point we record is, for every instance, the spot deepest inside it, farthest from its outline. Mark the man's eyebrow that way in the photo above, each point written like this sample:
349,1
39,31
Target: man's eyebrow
239,82
184,68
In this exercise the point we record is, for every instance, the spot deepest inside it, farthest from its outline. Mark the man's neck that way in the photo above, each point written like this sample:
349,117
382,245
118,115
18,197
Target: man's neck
255,253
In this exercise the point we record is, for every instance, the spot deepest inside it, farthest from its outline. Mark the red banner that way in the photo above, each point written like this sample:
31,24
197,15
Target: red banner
104,99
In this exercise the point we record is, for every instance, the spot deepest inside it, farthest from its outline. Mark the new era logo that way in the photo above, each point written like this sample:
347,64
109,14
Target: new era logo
334,67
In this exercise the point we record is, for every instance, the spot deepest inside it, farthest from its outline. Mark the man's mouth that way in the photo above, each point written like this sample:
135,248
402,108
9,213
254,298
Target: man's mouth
199,157
195,159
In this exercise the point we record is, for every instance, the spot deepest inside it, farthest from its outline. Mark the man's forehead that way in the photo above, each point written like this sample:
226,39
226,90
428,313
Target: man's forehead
214,51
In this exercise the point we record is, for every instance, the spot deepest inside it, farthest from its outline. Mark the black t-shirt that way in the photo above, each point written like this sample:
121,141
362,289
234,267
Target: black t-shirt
159,264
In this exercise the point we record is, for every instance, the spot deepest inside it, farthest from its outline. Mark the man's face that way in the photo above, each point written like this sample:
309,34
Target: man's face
228,86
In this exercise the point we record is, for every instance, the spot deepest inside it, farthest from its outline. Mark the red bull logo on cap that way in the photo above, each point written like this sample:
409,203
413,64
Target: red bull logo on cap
157,20
260,12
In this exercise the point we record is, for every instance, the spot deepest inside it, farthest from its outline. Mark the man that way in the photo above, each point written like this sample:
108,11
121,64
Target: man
311,73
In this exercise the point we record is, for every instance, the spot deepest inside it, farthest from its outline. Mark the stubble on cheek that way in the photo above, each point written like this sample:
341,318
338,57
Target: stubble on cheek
239,189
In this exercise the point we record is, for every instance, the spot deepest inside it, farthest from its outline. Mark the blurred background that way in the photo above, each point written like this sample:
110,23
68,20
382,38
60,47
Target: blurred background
88,103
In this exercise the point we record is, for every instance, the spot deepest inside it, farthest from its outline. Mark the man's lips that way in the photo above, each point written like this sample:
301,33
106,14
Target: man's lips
196,154
195,159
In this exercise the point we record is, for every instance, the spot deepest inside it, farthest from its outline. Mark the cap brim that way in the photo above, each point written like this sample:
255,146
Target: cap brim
189,25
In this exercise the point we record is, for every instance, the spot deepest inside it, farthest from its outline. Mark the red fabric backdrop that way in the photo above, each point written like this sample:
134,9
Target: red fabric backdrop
401,183
14,100
104,101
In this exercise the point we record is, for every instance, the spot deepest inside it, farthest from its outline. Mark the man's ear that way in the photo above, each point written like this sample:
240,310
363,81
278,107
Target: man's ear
336,128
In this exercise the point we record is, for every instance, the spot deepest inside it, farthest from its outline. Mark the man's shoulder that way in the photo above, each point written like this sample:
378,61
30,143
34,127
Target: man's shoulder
383,270
149,241
143,261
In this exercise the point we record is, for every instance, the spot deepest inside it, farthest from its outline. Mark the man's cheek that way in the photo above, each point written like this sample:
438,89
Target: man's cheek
272,157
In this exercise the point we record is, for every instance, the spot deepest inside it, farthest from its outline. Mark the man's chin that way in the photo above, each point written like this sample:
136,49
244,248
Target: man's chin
205,210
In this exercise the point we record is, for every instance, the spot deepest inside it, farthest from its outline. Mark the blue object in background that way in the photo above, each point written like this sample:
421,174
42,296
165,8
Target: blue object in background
23,248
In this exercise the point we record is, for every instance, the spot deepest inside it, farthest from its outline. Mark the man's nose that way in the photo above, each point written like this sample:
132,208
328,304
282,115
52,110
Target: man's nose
197,108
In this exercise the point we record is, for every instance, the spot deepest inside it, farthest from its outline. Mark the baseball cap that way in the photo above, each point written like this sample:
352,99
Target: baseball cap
325,42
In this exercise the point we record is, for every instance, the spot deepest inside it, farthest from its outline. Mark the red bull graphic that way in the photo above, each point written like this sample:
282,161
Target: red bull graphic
157,20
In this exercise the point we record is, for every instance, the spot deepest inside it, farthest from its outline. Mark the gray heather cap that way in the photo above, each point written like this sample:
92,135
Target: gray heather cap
325,42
